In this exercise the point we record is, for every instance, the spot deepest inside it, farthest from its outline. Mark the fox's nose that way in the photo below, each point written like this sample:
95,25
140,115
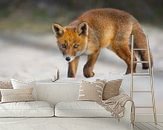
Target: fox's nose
68,58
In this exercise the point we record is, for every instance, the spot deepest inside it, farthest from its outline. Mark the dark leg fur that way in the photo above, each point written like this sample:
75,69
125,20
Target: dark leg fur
72,67
88,68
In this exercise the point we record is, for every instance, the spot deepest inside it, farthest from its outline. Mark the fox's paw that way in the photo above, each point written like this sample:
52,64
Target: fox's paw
145,66
71,75
88,71
88,75
128,71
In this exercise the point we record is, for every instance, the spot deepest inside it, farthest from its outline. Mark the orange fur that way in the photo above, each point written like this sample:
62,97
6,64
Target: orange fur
96,29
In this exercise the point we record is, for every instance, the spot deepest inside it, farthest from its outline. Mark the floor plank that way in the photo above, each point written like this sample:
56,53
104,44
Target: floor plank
148,126
136,128
141,126
157,126
161,124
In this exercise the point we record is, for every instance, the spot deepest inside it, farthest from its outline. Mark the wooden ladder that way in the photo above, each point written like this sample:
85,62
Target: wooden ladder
147,74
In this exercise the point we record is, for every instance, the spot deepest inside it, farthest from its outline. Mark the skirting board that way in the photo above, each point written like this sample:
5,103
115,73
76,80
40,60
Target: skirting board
148,118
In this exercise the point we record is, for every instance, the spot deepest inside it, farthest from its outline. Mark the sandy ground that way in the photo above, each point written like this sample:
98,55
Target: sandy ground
35,57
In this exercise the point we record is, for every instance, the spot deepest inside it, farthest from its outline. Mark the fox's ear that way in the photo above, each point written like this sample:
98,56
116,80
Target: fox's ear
82,28
57,29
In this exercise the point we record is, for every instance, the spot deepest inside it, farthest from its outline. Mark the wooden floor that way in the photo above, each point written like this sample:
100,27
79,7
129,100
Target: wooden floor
148,126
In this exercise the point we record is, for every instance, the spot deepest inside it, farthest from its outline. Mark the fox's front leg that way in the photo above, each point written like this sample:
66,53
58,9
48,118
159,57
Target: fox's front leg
88,67
72,67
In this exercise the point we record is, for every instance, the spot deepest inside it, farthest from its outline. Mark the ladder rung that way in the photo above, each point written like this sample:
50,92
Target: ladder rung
142,91
141,74
139,49
143,106
141,62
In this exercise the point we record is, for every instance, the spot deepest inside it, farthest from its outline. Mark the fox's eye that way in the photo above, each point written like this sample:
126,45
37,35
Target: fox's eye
76,46
63,46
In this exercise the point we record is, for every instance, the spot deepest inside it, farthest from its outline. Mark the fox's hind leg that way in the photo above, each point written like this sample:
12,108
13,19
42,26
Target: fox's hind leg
121,44
122,49
72,67
88,67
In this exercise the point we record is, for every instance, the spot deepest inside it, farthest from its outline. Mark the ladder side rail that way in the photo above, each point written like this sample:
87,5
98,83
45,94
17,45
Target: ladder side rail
132,61
151,81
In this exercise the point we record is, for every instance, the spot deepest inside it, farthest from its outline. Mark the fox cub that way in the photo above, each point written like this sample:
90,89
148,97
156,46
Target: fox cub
96,29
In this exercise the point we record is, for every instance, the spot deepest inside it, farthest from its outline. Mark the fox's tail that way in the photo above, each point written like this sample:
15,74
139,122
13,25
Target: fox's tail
140,41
